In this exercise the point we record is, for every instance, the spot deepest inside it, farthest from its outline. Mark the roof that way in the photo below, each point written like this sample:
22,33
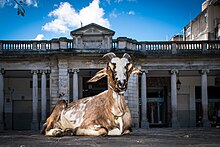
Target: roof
92,29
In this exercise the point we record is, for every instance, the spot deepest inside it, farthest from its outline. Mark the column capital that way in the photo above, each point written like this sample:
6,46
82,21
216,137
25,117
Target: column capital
144,71
204,71
35,71
76,70
174,71
44,71
73,70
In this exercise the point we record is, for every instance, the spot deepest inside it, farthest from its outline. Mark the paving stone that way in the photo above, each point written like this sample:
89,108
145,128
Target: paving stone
202,137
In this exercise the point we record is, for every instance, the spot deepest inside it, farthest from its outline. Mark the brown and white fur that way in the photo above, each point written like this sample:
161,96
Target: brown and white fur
102,114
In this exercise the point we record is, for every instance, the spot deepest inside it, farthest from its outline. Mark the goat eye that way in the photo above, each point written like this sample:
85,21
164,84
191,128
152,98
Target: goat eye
112,66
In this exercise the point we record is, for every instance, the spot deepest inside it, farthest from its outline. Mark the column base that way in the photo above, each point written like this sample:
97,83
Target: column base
35,125
175,124
144,124
206,123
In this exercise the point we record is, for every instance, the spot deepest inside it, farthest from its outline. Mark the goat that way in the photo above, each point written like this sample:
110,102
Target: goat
102,114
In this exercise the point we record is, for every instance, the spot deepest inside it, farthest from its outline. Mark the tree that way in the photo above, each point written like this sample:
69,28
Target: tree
20,4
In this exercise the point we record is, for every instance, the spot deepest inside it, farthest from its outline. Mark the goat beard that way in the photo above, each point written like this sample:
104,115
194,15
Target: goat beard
121,92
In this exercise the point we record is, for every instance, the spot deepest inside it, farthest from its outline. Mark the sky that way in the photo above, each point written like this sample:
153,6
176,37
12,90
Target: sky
143,20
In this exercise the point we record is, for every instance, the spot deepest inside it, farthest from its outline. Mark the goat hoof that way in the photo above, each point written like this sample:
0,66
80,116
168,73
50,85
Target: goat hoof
58,133
104,131
69,132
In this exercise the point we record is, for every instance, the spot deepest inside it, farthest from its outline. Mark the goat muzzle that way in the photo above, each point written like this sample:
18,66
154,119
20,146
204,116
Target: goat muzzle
121,86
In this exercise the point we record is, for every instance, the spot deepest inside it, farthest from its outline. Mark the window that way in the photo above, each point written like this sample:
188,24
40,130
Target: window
188,31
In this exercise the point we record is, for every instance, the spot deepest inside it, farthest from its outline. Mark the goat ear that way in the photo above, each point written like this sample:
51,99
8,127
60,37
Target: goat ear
99,75
136,70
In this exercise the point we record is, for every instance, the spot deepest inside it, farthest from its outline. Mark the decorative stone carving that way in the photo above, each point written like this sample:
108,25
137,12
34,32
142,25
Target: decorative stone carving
93,36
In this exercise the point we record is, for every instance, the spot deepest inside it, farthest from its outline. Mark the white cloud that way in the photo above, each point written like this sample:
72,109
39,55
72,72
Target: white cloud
113,14
108,1
39,37
31,2
131,13
55,5
67,17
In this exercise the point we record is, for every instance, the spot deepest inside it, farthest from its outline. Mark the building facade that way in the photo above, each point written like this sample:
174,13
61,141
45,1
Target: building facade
35,74
206,26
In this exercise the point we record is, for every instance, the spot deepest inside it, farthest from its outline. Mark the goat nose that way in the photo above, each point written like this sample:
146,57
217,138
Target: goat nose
121,84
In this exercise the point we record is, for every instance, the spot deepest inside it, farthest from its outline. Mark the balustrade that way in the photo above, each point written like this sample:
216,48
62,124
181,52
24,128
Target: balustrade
169,47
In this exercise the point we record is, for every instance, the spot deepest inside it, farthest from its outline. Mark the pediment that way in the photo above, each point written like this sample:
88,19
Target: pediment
92,29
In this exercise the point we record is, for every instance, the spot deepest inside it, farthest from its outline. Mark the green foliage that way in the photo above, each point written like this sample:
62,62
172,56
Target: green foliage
21,11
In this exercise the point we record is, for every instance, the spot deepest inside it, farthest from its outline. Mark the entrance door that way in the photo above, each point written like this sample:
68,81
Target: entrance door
183,110
156,106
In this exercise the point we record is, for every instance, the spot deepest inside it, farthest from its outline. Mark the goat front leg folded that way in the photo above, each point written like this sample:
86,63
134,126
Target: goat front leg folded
95,130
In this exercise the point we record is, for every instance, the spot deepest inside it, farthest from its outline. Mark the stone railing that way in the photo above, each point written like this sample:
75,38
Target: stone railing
121,43
25,45
173,47
54,44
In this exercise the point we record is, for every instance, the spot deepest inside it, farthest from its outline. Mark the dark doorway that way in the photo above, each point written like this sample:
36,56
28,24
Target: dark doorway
91,89
22,115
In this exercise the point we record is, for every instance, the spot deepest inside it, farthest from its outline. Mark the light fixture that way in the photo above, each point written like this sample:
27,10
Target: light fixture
178,83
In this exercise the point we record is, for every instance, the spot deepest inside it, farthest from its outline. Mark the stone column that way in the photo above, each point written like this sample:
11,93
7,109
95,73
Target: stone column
68,86
175,123
76,41
108,42
34,124
205,120
43,98
192,105
63,79
75,84
1,100
144,121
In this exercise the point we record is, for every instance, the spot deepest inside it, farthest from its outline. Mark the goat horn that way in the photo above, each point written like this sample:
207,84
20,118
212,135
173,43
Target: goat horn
127,56
109,56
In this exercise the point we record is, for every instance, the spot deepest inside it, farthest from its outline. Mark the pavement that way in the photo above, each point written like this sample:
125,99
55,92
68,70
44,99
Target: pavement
156,137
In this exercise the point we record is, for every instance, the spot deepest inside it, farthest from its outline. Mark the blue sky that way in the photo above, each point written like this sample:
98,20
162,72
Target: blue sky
143,20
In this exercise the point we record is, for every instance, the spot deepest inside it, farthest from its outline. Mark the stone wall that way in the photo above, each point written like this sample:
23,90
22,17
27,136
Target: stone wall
53,84
132,99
